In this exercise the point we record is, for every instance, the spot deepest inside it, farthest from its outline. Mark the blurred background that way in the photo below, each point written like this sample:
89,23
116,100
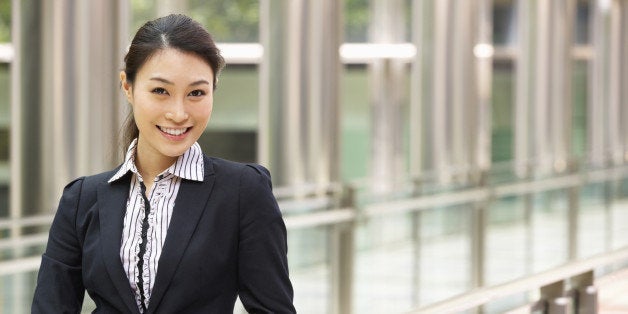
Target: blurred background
428,155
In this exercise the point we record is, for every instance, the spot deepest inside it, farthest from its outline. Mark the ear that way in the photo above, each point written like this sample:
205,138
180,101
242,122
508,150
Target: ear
126,86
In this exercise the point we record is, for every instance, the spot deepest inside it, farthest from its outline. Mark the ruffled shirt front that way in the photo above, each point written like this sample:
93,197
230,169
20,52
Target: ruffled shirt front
144,231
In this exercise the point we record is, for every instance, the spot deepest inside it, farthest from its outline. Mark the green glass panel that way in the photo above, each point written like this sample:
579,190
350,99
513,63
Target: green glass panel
502,102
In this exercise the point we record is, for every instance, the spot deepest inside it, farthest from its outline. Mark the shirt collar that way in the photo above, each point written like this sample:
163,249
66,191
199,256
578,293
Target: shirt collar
188,166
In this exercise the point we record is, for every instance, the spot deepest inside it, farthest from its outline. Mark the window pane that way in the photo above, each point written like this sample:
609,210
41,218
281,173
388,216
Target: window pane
580,95
228,20
582,22
356,17
504,23
232,130
503,89
5,21
355,123
141,11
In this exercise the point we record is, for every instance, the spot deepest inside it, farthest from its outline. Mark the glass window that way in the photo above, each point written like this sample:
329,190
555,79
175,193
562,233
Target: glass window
232,130
580,96
228,20
356,17
502,102
141,11
582,22
5,21
504,22
355,123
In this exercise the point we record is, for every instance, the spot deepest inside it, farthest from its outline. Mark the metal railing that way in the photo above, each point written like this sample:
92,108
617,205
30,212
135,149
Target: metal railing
339,209
562,289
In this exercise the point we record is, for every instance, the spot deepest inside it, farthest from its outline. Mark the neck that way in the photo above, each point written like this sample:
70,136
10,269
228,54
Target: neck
150,163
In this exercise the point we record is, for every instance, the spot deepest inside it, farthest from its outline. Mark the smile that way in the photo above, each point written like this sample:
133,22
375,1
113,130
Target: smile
173,131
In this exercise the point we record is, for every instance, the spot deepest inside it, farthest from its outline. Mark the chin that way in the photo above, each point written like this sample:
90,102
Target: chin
175,152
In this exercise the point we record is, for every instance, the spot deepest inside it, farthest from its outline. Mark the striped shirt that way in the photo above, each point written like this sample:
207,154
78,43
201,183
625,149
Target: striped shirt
139,256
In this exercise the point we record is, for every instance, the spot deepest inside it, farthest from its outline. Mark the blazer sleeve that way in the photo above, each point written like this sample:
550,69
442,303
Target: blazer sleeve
264,284
59,282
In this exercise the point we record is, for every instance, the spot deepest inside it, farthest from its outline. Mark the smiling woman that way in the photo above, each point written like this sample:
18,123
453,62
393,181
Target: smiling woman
172,100
170,230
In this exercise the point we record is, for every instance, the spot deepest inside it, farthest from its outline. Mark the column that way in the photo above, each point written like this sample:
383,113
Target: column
26,154
561,60
597,115
299,96
523,93
624,79
615,56
387,91
81,105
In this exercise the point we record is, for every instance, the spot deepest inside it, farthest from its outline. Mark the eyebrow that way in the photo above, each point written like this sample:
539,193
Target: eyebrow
165,81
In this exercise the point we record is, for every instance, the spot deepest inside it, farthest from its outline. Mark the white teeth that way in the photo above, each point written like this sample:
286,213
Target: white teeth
174,132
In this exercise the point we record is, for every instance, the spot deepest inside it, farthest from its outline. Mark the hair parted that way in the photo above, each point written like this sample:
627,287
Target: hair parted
176,31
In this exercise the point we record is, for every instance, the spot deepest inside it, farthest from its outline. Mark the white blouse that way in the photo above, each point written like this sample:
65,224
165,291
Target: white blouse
144,232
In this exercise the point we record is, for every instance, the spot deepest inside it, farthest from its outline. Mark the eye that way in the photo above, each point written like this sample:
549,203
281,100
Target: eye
159,91
197,93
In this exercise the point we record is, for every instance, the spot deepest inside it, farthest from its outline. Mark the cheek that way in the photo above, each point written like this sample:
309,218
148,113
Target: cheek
205,112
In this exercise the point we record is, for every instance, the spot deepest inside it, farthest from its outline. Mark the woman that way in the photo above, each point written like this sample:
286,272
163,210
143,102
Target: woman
170,230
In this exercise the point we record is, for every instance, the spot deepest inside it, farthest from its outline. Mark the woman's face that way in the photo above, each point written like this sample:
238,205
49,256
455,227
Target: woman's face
172,99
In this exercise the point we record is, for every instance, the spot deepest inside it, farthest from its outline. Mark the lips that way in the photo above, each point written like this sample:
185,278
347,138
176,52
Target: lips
173,131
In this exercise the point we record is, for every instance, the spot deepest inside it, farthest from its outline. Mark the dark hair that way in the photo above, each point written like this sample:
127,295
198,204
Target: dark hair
173,31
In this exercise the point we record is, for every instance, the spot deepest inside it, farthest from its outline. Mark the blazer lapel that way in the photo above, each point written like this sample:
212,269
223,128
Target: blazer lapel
188,208
112,202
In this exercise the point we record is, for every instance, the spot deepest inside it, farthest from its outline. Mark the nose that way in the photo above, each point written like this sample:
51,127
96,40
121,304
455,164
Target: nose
177,112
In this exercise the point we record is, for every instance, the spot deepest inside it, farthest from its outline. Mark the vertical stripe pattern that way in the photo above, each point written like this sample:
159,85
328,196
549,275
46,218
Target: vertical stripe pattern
134,253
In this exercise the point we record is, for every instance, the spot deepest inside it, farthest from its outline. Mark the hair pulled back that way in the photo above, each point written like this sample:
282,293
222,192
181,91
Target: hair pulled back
176,31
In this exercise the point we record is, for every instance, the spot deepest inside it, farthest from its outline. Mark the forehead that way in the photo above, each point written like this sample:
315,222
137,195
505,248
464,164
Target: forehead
176,64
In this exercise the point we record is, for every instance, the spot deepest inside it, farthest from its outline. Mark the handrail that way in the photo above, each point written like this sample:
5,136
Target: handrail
323,218
412,204
29,221
337,207
484,295
19,265
486,193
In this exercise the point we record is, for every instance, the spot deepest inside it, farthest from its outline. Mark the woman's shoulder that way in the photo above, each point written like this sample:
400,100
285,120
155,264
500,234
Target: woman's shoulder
238,172
229,166
101,177
91,180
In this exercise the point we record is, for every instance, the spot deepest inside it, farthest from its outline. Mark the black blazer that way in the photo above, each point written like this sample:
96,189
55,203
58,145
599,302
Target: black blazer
226,238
